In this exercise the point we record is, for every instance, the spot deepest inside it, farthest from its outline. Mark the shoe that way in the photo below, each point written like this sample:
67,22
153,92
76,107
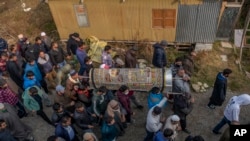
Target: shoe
216,132
211,107
140,107
186,131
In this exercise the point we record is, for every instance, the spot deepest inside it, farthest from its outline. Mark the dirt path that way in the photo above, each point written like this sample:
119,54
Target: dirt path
200,121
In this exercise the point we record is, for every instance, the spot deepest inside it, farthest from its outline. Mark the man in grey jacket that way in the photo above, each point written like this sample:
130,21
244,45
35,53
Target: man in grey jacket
83,118
183,102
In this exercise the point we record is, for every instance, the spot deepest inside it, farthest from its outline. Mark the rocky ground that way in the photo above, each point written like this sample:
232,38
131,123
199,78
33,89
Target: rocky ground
200,121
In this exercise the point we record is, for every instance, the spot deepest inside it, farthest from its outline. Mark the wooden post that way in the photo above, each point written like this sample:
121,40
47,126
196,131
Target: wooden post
243,36
237,17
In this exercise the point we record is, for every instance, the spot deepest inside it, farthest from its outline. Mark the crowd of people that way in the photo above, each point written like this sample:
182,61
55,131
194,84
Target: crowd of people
29,72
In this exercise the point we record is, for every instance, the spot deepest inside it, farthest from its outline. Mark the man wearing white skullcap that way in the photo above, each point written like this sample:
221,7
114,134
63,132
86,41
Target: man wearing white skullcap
172,122
46,39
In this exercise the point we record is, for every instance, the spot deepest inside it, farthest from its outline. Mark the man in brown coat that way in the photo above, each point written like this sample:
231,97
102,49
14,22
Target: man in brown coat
188,63
71,87
62,99
130,57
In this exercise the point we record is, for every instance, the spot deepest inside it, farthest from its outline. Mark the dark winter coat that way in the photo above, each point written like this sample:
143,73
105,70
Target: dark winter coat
72,45
38,48
130,60
219,91
22,46
5,135
57,57
86,73
56,117
15,72
125,101
182,107
3,45
159,56
83,119
99,104
61,132
28,51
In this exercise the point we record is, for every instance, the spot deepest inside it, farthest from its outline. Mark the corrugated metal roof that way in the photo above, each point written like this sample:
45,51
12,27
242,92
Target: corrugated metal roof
198,23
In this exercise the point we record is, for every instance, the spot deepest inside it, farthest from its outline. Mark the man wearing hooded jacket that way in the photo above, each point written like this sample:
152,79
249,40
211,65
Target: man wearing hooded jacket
159,56
232,111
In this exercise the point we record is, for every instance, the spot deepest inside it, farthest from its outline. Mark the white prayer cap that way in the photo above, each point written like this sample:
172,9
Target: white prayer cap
175,118
43,34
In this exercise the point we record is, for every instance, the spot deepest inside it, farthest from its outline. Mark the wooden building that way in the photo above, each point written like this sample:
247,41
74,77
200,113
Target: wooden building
129,20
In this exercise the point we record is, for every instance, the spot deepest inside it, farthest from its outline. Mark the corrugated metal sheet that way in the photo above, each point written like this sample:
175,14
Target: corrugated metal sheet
186,23
198,23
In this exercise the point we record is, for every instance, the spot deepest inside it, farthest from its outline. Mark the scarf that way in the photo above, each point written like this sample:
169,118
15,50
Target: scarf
111,111
72,80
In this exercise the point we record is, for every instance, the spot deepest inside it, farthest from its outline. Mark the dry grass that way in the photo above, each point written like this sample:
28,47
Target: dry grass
208,64
14,20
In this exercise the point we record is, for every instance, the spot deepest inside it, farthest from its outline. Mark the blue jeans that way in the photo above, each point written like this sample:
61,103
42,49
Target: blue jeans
149,136
82,70
221,124
61,64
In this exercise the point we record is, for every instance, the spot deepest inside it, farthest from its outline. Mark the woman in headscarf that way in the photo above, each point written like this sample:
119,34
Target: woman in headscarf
114,110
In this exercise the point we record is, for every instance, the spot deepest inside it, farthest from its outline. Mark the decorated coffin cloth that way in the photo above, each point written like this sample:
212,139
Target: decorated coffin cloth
135,79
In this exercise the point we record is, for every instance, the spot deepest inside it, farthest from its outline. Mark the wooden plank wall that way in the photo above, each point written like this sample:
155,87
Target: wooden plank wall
191,2
112,20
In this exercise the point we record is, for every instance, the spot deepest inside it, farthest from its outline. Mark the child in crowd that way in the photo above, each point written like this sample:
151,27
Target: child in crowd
154,97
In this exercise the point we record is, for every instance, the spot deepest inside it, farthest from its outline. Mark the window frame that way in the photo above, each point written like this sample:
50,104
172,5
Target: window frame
163,18
81,14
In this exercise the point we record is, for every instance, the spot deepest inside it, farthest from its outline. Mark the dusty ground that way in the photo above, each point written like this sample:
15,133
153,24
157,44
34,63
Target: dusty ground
200,121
